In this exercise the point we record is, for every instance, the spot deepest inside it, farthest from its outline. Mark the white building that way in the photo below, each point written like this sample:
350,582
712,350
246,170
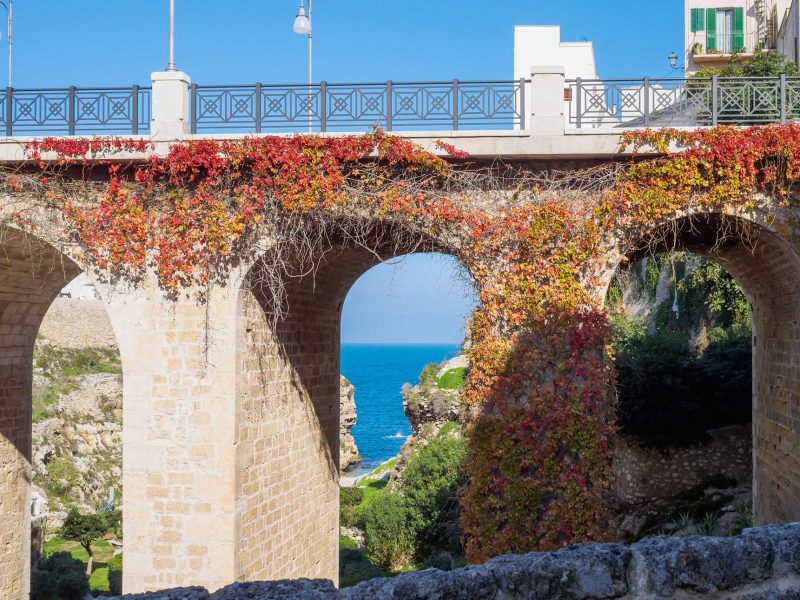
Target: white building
718,30
538,46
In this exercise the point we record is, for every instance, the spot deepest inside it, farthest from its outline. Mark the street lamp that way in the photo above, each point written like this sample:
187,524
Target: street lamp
673,61
302,26
9,6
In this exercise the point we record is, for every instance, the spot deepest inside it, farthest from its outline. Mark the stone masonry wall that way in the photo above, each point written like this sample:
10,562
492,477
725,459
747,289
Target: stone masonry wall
643,474
95,329
762,563
286,466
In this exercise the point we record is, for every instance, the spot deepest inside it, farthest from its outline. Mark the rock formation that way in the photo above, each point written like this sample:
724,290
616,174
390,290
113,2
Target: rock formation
428,405
348,452
761,563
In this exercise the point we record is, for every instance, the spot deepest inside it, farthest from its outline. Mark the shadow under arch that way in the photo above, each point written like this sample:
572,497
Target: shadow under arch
287,427
766,266
32,273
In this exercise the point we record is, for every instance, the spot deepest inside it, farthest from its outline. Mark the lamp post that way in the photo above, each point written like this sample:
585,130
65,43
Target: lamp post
171,66
673,61
303,26
9,6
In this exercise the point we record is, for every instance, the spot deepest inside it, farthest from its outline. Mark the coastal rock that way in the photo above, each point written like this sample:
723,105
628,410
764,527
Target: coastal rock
428,406
761,563
348,452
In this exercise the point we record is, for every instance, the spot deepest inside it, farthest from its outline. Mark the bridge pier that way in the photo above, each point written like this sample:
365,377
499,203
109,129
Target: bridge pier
178,438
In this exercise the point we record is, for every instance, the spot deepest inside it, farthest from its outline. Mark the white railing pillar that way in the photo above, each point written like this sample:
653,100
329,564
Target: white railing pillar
170,112
547,100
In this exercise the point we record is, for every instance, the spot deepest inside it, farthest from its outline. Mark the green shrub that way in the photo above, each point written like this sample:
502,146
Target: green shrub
349,500
59,577
430,481
115,575
668,397
389,543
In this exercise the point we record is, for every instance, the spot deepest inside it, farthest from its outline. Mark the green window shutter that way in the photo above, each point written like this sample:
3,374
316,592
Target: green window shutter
711,29
738,29
698,19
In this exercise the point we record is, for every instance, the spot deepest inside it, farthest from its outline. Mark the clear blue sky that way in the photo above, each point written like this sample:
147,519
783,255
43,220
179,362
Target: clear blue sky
119,42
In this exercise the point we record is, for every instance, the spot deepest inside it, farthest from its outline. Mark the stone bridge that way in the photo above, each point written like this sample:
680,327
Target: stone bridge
231,440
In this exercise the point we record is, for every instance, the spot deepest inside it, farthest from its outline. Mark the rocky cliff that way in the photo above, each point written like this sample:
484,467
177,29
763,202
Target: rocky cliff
77,409
435,400
348,452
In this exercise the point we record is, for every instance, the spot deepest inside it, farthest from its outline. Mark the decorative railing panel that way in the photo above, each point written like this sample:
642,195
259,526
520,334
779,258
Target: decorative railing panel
685,102
355,107
75,111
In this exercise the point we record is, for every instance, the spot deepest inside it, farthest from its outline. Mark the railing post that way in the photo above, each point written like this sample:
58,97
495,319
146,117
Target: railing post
389,105
71,115
173,116
456,100
193,108
9,111
135,110
714,100
783,98
646,101
547,100
523,89
323,106
257,111
579,102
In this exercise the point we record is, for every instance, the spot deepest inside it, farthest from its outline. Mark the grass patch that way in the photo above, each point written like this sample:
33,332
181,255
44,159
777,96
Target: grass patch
46,398
383,468
103,556
452,379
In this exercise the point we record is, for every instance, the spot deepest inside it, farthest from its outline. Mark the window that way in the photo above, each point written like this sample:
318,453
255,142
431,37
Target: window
724,29
698,19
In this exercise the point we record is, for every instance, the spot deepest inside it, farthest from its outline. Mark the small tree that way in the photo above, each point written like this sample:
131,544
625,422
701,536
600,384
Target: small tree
84,529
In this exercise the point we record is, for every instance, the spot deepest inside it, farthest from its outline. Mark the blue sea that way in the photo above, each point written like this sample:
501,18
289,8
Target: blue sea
378,373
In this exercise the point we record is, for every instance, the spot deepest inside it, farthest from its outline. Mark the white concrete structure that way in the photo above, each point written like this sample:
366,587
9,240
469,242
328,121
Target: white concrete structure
540,55
170,105
788,40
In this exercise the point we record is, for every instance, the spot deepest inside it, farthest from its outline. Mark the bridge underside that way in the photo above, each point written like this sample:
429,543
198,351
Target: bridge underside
231,422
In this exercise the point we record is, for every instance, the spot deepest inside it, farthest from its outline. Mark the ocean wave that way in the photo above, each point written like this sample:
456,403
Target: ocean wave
396,436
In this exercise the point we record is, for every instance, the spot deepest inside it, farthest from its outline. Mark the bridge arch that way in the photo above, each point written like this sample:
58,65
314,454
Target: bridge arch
287,425
32,273
758,250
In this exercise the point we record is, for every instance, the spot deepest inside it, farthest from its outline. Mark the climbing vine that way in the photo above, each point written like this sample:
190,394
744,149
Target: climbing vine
536,246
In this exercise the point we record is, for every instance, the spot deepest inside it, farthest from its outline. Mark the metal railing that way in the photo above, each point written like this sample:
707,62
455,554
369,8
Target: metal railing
684,102
74,111
393,106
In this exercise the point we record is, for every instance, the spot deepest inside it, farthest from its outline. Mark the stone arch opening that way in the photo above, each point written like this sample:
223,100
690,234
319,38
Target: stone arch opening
32,273
46,348
287,429
767,268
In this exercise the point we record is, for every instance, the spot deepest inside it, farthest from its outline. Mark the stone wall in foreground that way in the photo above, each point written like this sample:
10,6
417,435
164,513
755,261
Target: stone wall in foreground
761,563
